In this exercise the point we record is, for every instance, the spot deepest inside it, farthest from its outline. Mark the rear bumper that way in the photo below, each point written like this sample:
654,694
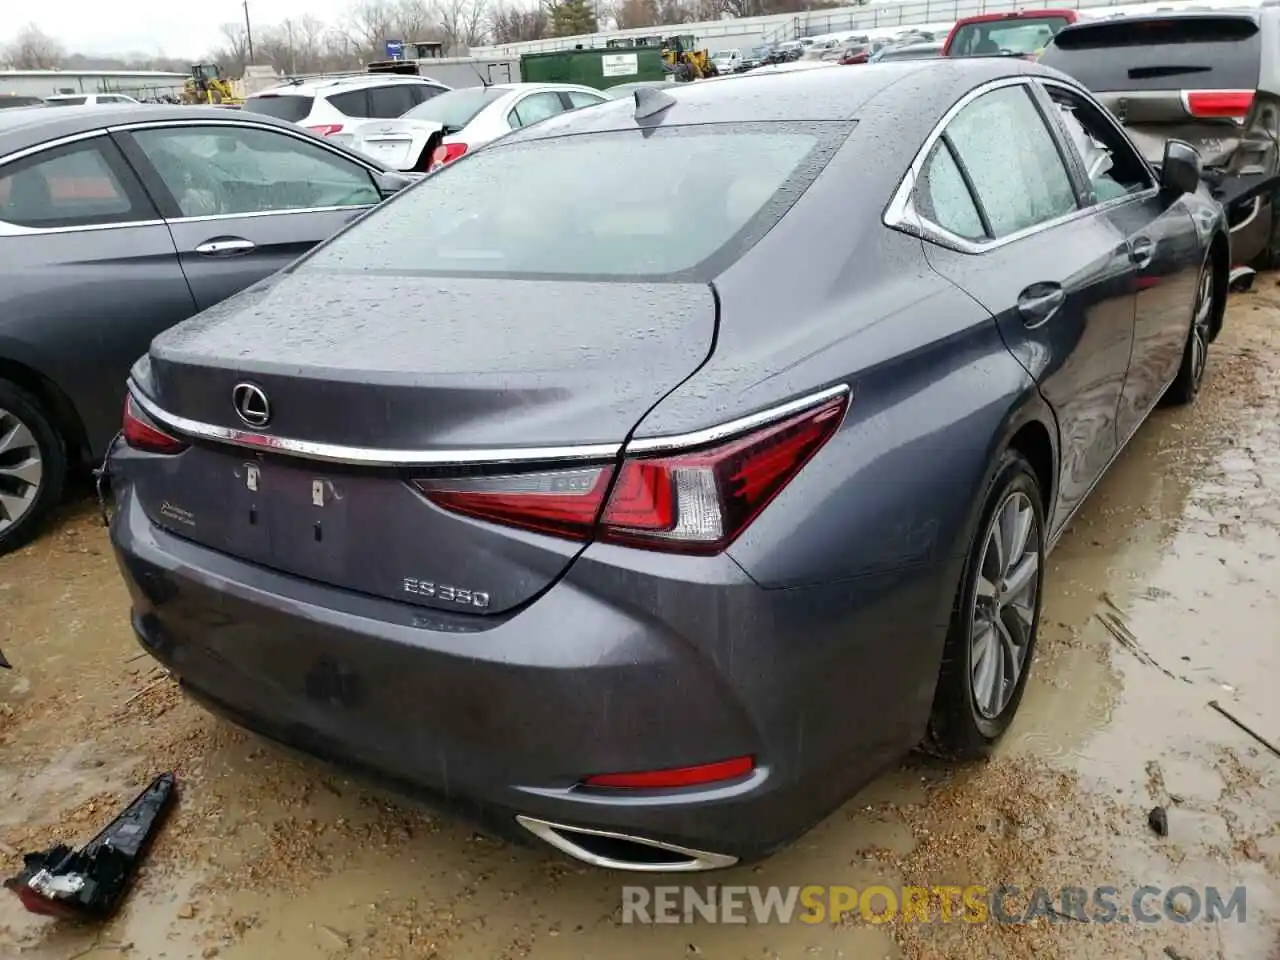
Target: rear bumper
494,717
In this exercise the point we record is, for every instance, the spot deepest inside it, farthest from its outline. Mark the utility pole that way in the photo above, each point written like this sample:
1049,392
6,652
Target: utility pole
248,30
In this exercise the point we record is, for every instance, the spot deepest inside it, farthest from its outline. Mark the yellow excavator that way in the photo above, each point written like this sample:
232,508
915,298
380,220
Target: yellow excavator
208,84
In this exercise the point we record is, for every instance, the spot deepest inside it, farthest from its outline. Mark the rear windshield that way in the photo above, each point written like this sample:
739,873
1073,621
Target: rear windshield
1214,53
674,204
291,108
455,109
19,101
990,38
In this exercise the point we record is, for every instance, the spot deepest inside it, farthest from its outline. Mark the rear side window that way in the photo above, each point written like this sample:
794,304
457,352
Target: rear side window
352,103
82,184
290,108
594,206
1205,53
67,101
942,196
391,101
1006,149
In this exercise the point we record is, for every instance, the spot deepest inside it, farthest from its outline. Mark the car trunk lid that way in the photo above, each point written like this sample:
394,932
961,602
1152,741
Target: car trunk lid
359,384
395,143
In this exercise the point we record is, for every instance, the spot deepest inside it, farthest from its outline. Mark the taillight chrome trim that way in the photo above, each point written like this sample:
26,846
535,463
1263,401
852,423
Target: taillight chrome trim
372,456
734,428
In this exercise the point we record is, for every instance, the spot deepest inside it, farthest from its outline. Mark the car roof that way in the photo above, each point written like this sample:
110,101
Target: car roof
1029,14
319,86
22,128
835,93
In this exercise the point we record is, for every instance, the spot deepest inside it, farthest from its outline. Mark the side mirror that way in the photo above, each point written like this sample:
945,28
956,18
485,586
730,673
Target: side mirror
1180,171
389,184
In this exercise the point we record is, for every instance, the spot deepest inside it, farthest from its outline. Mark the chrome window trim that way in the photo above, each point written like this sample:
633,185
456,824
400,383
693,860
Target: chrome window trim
900,214
16,230
213,217
370,456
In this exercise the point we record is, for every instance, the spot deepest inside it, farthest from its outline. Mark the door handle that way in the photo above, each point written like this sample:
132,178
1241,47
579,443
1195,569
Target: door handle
225,247
1040,301
1141,251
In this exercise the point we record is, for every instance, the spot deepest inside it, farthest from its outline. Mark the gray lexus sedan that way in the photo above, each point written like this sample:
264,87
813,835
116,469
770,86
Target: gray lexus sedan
117,222
648,481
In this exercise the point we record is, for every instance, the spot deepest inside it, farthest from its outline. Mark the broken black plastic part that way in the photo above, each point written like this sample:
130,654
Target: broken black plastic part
90,883
5,663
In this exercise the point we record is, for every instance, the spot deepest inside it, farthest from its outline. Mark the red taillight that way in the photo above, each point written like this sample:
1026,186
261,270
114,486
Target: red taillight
686,502
446,153
326,129
141,434
1218,103
676,777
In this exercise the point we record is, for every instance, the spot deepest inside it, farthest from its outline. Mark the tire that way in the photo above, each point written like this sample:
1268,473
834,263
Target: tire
1195,355
969,713
33,466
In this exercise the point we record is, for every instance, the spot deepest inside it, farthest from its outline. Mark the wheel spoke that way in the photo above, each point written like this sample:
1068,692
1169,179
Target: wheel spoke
1021,577
986,663
1010,661
986,590
1019,533
28,471
16,438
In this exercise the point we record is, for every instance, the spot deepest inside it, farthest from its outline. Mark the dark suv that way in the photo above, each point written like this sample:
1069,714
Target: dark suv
1211,79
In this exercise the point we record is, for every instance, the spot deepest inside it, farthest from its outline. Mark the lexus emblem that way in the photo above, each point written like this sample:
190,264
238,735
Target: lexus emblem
251,404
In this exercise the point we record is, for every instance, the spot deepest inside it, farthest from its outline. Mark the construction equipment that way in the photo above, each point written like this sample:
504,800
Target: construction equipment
684,59
208,84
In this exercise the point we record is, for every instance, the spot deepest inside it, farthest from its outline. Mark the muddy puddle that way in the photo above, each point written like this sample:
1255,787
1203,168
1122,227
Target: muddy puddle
1164,596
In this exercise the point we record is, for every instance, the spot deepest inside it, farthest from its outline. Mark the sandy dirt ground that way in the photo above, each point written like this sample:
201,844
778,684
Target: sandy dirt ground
1164,596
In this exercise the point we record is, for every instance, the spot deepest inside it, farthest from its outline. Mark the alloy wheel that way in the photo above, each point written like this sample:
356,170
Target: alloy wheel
1004,605
1200,326
21,470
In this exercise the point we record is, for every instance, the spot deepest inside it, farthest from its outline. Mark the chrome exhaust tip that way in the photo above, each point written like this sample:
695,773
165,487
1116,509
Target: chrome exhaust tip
620,851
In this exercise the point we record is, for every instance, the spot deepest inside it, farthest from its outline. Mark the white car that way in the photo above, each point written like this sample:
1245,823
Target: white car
448,126
86,99
332,106
726,61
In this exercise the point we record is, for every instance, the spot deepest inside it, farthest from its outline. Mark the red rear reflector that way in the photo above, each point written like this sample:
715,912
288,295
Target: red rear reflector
446,153
697,502
141,434
1218,103
675,777
326,129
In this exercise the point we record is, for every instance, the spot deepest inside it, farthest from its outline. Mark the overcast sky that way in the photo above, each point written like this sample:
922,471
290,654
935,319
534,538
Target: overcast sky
178,29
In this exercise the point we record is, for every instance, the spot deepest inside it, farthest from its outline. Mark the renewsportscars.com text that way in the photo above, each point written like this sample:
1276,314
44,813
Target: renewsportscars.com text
946,904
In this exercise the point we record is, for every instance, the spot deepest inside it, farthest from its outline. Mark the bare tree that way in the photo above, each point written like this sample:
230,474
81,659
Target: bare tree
233,54
511,24
464,23
417,20
370,24
33,49
630,14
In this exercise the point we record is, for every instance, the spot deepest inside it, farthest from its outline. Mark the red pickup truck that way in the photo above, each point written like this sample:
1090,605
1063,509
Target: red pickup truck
1021,34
